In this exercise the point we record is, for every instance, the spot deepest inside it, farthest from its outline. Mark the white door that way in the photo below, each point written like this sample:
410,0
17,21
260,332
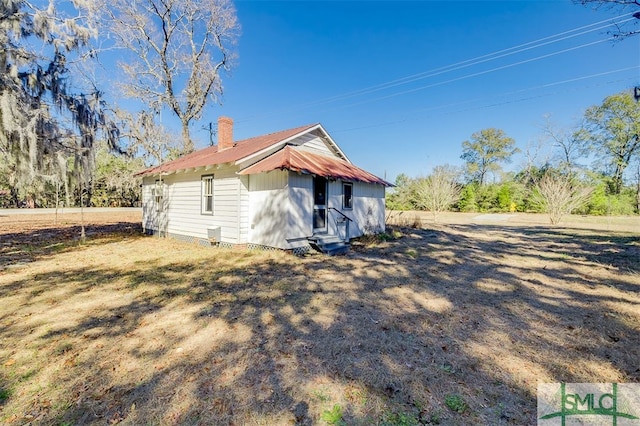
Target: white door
319,204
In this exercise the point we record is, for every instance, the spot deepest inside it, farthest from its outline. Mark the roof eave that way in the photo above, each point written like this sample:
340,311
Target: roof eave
207,167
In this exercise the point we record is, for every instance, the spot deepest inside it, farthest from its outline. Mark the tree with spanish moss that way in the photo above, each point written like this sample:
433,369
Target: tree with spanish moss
44,119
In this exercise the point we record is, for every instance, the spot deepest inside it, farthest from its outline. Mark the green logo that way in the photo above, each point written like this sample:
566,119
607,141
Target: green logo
588,403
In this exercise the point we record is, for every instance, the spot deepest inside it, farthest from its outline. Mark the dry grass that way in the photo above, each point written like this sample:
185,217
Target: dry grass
139,330
600,223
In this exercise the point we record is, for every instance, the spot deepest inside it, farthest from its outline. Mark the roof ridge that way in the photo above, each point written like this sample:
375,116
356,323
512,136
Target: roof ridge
300,128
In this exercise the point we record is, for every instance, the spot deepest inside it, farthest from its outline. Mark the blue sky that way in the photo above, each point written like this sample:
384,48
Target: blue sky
303,62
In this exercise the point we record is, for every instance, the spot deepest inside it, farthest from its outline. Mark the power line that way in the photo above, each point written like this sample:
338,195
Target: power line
476,74
564,35
468,63
557,83
542,86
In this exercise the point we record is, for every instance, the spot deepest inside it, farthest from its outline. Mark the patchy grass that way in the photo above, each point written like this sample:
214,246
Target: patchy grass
455,403
333,416
139,330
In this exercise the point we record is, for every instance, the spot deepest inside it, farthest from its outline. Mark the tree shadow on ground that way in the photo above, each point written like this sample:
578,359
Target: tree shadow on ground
387,332
619,250
19,248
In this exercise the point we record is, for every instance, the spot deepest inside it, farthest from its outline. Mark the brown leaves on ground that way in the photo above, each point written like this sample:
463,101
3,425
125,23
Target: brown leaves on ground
129,329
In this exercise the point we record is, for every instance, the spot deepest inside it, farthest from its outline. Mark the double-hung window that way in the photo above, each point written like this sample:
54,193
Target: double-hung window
347,195
207,194
158,194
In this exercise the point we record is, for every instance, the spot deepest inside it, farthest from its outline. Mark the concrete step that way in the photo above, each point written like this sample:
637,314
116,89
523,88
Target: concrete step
337,249
325,239
329,244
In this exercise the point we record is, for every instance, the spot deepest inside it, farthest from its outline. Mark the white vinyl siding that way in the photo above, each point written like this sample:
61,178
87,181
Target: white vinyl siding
148,204
268,206
184,205
300,215
368,208
243,216
314,144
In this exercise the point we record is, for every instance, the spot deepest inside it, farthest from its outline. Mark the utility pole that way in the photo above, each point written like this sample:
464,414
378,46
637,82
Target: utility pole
212,133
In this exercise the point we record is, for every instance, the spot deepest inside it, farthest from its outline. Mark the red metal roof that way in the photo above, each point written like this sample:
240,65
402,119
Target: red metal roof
210,156
302,161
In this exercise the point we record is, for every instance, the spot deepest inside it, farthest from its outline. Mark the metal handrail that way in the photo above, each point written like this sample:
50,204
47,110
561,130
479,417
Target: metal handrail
343,215
346,223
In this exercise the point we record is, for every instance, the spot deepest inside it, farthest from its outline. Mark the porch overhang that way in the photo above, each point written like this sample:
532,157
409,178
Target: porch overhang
305,162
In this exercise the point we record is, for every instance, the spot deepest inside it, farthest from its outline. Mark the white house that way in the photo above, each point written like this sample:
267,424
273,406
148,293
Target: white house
279,190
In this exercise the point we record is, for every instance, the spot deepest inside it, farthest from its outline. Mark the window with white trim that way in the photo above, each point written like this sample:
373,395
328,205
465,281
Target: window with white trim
158,195
207,194
347,195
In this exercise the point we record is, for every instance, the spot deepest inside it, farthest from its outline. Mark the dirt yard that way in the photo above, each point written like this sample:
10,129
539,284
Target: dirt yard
455,322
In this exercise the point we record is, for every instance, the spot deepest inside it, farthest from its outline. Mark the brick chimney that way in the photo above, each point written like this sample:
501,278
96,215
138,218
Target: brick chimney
225,133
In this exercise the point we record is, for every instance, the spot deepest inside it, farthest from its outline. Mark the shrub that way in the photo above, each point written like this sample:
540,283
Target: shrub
467,202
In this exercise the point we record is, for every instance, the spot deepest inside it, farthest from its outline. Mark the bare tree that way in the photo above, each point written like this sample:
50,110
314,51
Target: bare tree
438,191
560,194
179,48
570,145
536,158
626,29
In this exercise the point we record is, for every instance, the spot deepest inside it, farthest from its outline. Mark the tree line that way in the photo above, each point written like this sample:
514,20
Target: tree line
64,140
593,168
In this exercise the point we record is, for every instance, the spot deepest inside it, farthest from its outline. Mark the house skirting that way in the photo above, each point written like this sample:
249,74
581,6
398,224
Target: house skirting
179,237
298,251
